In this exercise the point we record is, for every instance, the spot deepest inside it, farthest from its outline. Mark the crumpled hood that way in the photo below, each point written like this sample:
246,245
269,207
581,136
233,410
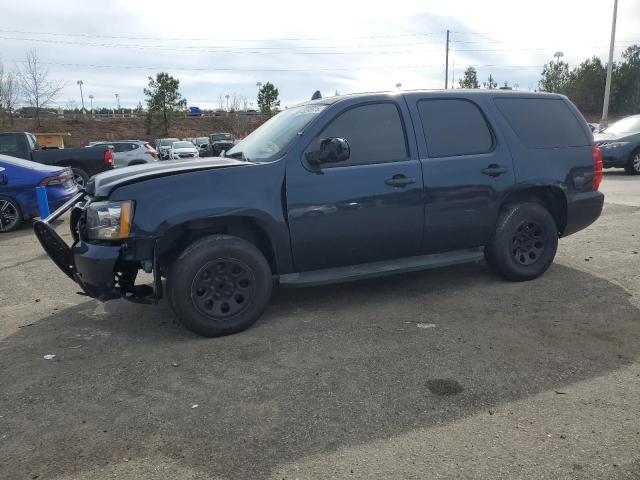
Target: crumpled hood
104,183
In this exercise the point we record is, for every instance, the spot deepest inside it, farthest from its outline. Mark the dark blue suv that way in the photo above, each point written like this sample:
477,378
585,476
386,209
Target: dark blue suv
339,189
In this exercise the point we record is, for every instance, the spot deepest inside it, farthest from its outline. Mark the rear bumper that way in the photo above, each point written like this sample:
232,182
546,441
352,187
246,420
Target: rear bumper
582,211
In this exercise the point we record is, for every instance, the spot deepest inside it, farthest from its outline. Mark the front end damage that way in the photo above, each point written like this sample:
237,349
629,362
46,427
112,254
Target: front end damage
105,270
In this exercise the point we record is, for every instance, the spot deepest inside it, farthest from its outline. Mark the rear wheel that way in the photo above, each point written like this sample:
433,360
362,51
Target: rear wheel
10,215
80,176
524,243
633,167
219,285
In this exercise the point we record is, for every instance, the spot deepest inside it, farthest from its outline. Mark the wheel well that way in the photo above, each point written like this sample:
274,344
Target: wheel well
136,162
180,236
551,198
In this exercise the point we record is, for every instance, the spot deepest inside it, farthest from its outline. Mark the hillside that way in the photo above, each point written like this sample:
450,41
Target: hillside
85,130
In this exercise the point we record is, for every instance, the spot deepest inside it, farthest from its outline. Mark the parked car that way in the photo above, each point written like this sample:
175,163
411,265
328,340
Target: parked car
339,189
202,144
130,152
195,112
18,181
620,145
182,149
163,145
220,142
84,162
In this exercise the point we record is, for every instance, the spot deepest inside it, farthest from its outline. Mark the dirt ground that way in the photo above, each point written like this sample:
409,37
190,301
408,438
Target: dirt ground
449,373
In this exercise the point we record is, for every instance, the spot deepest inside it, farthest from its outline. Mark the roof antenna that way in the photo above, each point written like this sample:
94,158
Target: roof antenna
317,95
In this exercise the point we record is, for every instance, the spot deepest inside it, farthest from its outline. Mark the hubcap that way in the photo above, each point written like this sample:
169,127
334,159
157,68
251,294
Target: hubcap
223,288
8,215
636,162
79,179
528,243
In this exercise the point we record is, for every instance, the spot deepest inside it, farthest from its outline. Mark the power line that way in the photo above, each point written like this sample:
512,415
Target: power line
93,35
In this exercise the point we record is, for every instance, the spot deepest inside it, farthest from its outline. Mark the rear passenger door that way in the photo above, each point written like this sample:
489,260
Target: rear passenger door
467,167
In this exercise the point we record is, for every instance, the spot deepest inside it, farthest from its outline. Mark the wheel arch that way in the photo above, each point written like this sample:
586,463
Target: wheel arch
251,229
552,198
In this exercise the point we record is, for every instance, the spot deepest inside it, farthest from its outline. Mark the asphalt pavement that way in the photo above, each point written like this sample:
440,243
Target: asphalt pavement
448,373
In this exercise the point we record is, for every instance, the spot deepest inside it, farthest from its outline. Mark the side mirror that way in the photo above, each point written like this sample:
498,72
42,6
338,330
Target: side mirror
3,178
332,150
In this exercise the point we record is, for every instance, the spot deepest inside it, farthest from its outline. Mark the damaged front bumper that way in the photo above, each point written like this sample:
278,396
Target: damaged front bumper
98,268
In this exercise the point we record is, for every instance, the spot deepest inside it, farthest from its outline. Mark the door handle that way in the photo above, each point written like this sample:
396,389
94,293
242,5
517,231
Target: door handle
399,181
494,170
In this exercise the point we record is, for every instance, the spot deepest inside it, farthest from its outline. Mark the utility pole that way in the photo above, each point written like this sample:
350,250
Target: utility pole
80,82
91,100
604,122
118,100
446,60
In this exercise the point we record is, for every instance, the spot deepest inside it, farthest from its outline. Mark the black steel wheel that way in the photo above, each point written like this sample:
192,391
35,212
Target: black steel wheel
223,288
524,243
219,285
528,243
10,215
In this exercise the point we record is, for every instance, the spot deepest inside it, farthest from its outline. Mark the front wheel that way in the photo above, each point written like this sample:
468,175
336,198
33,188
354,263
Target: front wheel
219,285
524,243
633,167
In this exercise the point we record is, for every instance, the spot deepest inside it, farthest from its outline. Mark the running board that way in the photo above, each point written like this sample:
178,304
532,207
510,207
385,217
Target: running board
378,269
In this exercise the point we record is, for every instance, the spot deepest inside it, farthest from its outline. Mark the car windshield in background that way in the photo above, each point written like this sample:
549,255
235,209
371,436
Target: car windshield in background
182,145
223,136
167,142
626,125
202,140
270,139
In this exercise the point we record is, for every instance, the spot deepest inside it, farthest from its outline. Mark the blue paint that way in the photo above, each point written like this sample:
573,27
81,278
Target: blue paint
43,202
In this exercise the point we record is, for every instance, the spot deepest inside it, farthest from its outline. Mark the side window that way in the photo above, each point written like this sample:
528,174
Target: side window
374,132
133,146
454,127
120,147
543,122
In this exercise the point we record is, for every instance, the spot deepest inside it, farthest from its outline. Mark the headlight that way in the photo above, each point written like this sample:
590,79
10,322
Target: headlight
610,145
109,220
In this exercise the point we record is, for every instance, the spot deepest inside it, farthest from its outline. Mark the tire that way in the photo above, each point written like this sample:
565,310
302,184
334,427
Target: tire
633,165
80,176
219,285
524,243
10,215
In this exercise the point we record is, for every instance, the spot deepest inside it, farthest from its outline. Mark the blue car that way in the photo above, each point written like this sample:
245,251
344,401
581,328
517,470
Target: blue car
620,145
18,181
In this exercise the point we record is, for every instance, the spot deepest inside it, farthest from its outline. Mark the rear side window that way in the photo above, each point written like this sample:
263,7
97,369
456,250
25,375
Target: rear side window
374,132
454,127
543,122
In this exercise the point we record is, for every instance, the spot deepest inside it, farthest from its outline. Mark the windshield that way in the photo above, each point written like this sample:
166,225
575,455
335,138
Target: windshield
626,125
220,136
182,145
167,142
202,140
271,138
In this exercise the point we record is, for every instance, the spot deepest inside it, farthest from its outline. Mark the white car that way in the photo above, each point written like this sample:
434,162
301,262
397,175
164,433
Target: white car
183,149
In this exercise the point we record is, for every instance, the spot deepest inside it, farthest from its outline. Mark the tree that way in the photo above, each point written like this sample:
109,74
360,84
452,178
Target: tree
585,85
268,98
555,77
470,79
626,82
9,94
39,92
490,83
164,99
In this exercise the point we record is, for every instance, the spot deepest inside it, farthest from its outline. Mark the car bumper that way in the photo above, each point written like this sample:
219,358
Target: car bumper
92,266
582,211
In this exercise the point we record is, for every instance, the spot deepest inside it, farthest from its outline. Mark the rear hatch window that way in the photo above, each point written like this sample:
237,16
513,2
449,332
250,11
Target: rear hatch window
543,122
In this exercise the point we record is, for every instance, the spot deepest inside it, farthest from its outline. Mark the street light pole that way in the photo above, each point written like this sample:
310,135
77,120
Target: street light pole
80,82
91,100
607,88
227,97
446,60
118,101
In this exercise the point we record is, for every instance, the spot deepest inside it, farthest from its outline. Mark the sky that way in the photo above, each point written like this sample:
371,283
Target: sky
217,49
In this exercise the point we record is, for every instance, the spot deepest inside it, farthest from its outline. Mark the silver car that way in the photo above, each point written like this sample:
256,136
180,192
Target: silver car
131,152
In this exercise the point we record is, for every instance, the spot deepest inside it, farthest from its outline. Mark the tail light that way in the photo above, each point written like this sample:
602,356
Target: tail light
58,180
108,157
597,168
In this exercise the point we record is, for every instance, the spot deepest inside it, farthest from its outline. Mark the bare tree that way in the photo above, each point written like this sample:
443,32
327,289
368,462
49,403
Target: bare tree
221,102
9,93
245,104
39,92
235,102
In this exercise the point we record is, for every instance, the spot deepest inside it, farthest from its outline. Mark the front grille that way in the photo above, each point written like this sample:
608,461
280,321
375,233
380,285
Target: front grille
186,155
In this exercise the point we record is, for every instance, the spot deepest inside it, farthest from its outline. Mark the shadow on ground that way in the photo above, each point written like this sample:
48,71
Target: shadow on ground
325,368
